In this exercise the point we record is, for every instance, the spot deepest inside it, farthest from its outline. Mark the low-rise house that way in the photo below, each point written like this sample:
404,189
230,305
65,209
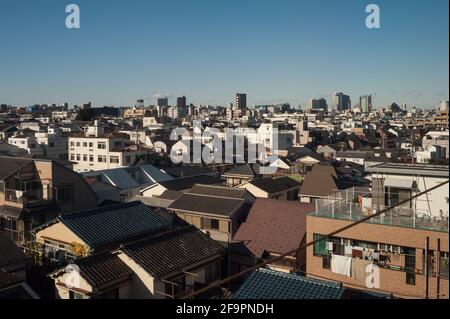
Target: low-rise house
179,185
125,183
167,265
323,181
284,188
437,138
93,231
272,228
13,266
34,191
241,174
217,211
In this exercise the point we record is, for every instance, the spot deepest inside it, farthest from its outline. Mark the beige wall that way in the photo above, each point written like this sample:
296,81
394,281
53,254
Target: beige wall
58,232
390,280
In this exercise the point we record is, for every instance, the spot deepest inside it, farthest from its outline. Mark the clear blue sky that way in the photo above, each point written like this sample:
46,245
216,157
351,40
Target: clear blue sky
277,50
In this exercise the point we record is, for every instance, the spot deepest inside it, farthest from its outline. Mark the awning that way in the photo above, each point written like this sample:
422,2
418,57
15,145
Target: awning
399,183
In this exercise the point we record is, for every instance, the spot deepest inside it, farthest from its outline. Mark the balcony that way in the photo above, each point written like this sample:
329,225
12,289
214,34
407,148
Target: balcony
344,207
27,198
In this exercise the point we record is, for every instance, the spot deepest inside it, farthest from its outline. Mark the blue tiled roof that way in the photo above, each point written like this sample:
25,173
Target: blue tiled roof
113,224
270,284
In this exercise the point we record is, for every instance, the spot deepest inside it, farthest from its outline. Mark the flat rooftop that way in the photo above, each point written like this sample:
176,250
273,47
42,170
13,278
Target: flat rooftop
410,169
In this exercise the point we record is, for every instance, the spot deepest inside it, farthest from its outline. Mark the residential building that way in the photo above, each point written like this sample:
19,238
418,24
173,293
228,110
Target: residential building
34,191
241,101
101,151
217,211
283,188
272,228
436,138
391,247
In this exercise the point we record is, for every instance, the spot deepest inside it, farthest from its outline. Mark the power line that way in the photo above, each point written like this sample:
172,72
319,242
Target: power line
271,261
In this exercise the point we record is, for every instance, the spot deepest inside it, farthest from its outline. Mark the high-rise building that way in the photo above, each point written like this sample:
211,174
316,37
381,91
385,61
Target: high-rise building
443,107
340,101
164,102
318,105
181,101
140,103
241,101
365,103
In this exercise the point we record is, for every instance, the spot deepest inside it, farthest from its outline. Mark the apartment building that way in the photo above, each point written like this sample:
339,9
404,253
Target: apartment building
95,151
34,191
385,254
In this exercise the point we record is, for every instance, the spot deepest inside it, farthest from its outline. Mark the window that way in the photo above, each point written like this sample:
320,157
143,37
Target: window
78,157
72,144
326,262
78,144
117,144
91,158
72,157
51,144
84,144
114,159
75,295
85,158
410,266
101,145
215,224
91,144
320,247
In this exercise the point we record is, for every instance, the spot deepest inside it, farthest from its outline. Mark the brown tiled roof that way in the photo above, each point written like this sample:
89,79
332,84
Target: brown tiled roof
273,226
321,181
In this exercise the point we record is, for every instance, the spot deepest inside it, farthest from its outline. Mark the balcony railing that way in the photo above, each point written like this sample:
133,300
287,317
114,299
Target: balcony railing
24,197
346,209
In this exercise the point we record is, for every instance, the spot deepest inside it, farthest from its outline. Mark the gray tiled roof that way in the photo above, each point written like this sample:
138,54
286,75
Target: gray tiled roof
173,251
113,224
270,284
101,270
10,253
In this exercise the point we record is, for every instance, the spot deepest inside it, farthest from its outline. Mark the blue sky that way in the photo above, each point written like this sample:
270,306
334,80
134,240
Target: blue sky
277,50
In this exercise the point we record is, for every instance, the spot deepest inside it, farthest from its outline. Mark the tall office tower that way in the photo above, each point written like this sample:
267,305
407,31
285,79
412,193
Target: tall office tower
241,101
365,103
318,105
87,106
181,101
340,101
164,102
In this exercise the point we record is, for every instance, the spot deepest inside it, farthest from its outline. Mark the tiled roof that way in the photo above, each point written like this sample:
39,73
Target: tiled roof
269,284
186,183
113,224
9,165
272,186
272,225
219,191
101,270
249,170
9,252
173,251
196,203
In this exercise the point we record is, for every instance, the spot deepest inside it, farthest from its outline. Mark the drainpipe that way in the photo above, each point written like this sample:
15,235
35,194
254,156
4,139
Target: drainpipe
427,245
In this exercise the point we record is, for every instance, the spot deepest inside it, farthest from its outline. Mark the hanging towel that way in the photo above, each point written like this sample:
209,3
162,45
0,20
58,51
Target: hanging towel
359,267
341,265
329,246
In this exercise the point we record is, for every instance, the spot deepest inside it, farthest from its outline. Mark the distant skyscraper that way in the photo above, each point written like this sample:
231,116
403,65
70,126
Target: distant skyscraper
164,102
140,103
318,104
241,101
365,103
340,101
181,101
443,107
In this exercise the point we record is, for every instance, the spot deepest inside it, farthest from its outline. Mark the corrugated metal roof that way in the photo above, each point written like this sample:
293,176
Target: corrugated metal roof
270,284
111,224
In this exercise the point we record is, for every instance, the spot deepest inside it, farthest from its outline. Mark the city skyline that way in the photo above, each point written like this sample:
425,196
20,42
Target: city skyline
207,51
